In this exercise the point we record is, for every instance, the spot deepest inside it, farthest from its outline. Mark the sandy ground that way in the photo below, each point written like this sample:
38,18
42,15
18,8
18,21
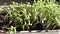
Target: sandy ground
35,33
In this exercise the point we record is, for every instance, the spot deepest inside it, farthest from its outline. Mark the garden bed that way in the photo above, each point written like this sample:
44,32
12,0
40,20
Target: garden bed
22,17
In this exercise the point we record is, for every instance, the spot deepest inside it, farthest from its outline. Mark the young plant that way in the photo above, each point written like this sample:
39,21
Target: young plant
48,12
12,30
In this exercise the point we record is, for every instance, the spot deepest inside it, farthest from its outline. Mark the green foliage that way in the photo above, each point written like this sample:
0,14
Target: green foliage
19,14
48,12
12,30
45,12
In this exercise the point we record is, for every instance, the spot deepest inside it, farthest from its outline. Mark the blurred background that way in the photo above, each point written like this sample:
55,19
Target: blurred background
7,2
